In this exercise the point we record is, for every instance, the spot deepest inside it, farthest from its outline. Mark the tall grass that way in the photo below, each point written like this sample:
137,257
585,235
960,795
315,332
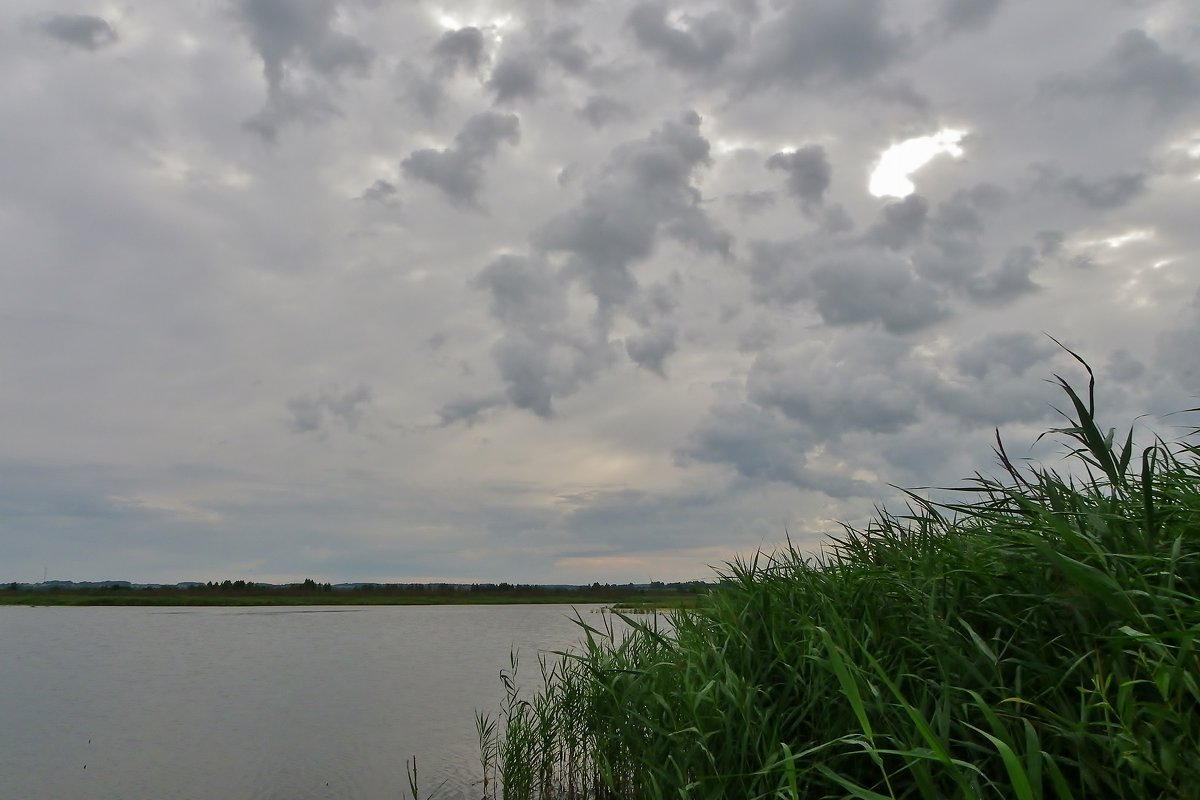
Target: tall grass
1036,640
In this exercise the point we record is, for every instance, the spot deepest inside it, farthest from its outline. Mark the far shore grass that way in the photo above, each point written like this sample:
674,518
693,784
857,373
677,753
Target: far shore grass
631,603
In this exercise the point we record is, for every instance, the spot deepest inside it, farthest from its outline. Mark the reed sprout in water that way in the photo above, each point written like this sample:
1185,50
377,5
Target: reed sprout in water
1036,640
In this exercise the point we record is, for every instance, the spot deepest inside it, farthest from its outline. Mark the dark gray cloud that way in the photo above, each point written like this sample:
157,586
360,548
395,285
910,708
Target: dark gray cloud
860,287
1012,279
600,111
760,335
753,202
833,396
461,49
291,34
1050,243
1107,193
301,32
778,271
761,445
645,187
307,106
1014,352
650,349
643,190
1003,393
826,40
655,302
80,30
562,47
808,173
423,90
308,412
1124,366
1138,68
960,15
468,410
539,366
541,353
953,254
517,76
458,170
699,44
901,223
380,191
524,292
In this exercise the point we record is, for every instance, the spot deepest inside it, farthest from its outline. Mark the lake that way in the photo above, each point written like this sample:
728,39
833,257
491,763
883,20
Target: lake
256,703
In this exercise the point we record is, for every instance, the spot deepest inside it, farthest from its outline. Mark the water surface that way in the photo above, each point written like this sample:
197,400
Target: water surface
262,703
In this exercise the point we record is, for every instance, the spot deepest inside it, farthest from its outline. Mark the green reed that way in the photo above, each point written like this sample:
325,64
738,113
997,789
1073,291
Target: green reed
1037,640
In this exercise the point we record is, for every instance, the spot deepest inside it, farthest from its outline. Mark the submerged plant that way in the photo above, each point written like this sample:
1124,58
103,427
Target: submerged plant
1036,641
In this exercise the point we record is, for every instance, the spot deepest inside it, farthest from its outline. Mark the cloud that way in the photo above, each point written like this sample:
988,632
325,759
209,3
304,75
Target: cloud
1009,281
600,111
760,445
293,34
542,353
968,15
808,173
308,412
380,191
823,40
461,49
777,271
561,47
1124,367
458,170
80,30
424,90
468,410
752,202
644,188
1103,194
993,385
524,292
837,390
699,44
638,322
539,366
857,287
515,77
901,223
1011,352
1138,68
651,349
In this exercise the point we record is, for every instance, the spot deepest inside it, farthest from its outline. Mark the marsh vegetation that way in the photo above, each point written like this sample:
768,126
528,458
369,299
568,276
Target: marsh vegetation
1035,640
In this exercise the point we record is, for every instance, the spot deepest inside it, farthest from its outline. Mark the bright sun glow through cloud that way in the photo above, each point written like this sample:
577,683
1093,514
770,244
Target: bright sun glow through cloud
890,176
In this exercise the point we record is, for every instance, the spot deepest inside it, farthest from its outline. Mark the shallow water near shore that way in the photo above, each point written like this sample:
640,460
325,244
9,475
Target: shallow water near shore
264,703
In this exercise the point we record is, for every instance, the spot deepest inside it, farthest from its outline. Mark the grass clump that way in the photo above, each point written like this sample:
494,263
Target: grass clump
1037,640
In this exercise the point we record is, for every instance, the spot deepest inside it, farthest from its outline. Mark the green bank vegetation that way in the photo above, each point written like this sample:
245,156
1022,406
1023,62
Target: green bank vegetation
1035,641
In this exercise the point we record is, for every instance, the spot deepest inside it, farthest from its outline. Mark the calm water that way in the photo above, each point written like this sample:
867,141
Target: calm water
262,704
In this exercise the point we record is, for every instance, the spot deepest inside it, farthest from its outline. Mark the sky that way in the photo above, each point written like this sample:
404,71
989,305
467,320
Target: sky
564,291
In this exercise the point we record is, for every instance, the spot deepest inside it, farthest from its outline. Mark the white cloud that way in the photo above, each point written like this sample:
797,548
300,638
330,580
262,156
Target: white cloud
891,175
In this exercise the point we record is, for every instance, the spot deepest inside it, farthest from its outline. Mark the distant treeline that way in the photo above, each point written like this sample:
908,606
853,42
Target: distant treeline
309,587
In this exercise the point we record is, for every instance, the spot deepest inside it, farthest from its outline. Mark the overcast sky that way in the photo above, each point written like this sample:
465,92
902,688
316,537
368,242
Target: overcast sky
565,290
